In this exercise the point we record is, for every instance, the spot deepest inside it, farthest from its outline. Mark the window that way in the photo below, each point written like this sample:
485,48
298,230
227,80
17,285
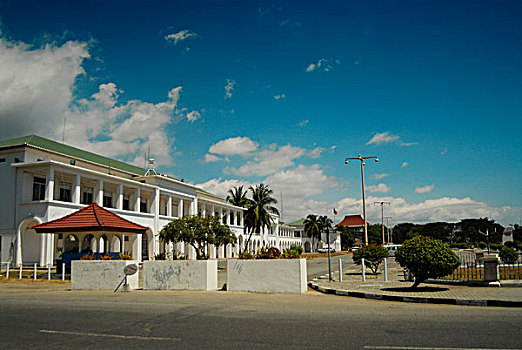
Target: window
143,207
2,160
87,195
38,189
107,200
126,202
65,193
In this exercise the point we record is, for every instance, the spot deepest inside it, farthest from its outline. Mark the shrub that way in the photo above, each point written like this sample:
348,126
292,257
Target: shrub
290,254
373,256
482,245
179,257
459,245
495,246
125,256
297,248
510,244
245,255
202,257
160,256
508,255
268,253
88,257
105,257
426,257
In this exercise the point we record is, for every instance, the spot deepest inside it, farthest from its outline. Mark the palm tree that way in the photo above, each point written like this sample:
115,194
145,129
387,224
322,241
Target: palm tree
238,197
261,206
312,228
325,223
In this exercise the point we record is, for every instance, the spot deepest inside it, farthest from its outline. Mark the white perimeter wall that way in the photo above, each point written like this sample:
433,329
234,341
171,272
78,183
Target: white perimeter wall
267,276
101,274
180,274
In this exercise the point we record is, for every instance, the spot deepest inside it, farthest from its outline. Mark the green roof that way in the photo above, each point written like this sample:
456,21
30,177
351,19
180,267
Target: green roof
73,152
297,223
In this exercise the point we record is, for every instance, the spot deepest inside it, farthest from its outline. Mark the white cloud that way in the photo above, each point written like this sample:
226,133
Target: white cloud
380,188
321,63
386,137
425,189
234,146
220,187
303,123
269,161
36,85
36,94
383,137
193,116
300,182
380,176
404,164
210,158
229,88
180,36
280,97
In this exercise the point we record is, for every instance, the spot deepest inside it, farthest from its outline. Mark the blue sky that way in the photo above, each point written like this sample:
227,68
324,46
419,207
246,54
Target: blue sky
237,92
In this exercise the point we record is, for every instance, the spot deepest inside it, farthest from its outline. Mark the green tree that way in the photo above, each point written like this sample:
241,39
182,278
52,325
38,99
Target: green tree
426,257
348,236
261,206
312,228
238,197
198,232
325,223
508,255
373,256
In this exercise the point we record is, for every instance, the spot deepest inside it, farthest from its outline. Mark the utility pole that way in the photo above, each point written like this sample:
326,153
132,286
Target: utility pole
382,217
361,158
388,218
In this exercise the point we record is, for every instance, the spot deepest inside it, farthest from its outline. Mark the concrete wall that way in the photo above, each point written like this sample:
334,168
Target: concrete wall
267,276
100,274
180,274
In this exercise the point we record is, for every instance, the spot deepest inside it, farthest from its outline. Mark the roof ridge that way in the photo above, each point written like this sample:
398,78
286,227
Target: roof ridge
94,206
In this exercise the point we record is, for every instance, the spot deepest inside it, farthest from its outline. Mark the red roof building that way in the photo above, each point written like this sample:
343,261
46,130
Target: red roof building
92,218
352,221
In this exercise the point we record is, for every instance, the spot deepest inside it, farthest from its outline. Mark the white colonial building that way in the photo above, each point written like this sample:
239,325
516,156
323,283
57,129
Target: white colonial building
43,180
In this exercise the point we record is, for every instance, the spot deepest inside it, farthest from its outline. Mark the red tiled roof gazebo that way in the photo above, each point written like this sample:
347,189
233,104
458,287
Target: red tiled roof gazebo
89,219
92,229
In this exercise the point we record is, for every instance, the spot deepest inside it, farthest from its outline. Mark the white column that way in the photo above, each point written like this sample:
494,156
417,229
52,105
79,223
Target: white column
49,184
119,202
138,200
19,245
180,208
213,210
204,210
221,215
99,193
229,217
241,219
156,209
50,248
169,206
43,248
77,190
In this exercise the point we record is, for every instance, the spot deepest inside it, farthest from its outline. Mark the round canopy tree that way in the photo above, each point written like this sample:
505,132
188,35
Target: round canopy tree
426,257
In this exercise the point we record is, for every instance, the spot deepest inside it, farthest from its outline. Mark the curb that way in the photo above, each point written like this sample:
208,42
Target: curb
447,301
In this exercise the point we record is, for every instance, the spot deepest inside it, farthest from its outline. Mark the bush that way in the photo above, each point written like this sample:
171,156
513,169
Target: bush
510,244
482,245
508,255
268,253
245,255
426,257
373,256
179,257
125,256
297,248
290,254
459,245
160,256
495,246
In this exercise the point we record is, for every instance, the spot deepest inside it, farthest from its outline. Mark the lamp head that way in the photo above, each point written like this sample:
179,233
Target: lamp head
376,160
346,161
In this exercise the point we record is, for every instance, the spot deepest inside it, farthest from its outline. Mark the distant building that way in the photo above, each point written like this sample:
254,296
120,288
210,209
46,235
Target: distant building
335,238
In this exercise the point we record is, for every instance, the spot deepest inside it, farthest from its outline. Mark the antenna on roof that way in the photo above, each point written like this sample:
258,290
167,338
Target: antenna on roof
151,166
63,133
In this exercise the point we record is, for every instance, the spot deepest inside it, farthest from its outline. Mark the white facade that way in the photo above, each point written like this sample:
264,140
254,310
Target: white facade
40,185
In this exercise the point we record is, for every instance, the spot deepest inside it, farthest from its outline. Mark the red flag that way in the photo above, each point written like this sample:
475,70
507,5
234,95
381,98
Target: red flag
335,212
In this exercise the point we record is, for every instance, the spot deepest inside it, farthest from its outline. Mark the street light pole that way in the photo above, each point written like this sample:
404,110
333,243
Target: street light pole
388,225
361,158
382,217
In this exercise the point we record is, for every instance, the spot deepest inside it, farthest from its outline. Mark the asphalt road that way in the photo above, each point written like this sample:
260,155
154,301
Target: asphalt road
223,320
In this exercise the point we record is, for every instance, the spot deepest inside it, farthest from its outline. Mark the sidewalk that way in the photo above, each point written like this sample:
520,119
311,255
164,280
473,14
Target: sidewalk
397,289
